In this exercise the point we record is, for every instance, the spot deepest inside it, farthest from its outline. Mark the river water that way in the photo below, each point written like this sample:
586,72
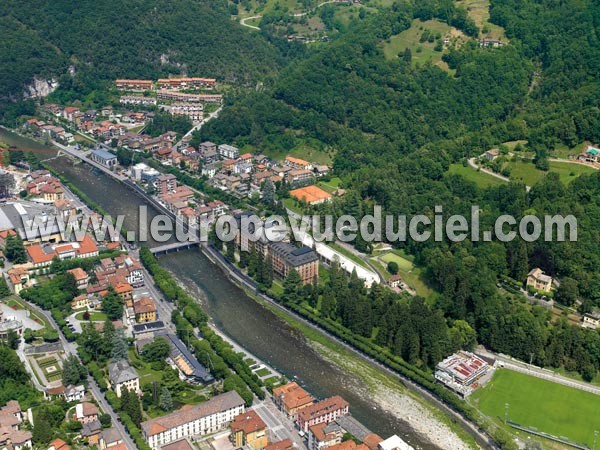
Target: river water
251,325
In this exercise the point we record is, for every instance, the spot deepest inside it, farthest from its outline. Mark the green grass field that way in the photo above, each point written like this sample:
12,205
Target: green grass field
95,316
422,52
410,273
479,11
547,406
527,173
331,185
481,179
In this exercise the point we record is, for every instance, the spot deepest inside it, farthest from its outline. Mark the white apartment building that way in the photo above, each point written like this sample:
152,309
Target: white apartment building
198,420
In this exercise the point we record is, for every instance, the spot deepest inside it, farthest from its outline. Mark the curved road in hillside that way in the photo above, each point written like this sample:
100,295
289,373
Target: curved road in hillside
243,21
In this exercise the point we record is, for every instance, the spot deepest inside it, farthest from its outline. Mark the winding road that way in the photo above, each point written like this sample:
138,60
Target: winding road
243,21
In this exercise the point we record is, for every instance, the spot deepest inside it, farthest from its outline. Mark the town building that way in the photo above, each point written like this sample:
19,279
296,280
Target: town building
591,320
8,326
193,420
106,158
461,371
286,444
591,155
229,151
144,310
178,96
81,277
165,183
323,435
122,376
394,443
325,411
91,431
193,111
286,257
58,444
182,444
86,412
248,430
183,360
19,278
186,83
137,100
297,163
538,280
291,398
11,435
299,175
133,85
110,438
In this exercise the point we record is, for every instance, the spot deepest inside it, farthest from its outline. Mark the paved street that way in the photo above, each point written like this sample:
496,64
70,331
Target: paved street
280,427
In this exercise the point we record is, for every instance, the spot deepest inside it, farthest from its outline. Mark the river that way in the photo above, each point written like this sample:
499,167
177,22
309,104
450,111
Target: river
251,325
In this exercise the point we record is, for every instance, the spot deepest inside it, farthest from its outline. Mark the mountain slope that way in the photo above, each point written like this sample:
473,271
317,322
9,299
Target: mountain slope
139,38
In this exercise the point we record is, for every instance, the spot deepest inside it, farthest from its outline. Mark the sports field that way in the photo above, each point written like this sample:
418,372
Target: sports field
547,406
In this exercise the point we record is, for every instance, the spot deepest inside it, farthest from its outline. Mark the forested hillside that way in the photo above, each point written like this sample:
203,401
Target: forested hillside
396,129
137,39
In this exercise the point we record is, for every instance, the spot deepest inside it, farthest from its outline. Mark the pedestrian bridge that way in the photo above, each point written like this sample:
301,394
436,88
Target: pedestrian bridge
174,247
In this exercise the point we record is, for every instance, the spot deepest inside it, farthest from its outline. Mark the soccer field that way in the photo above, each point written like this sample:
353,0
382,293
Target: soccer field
547,406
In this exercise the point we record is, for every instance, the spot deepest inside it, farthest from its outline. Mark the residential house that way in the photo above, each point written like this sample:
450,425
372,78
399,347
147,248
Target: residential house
291,398
229,151
492,154
323,435
86,412
74,393
394,443
110,438
145,310
59,444
91,431
122,376
297,163
19,278
286,444
591,320
248,430
134,85
193,420
81,277
184,361
165,183
324,411
11,434
538,280
299,175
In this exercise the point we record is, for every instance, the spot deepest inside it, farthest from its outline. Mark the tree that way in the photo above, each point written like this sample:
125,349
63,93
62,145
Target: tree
268,192
392,267
12,339
15,250
407,57
4,290
292,287
112,305
166,401
156,351
119,348
568,291
7,184
130,403
74,373
105,420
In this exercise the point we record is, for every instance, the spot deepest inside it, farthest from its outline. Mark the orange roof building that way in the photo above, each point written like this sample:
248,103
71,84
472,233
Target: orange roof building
312,195
291,398
248,429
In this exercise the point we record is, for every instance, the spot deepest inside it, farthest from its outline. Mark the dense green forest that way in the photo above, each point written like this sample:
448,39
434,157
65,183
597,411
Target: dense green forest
101,41
396,128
